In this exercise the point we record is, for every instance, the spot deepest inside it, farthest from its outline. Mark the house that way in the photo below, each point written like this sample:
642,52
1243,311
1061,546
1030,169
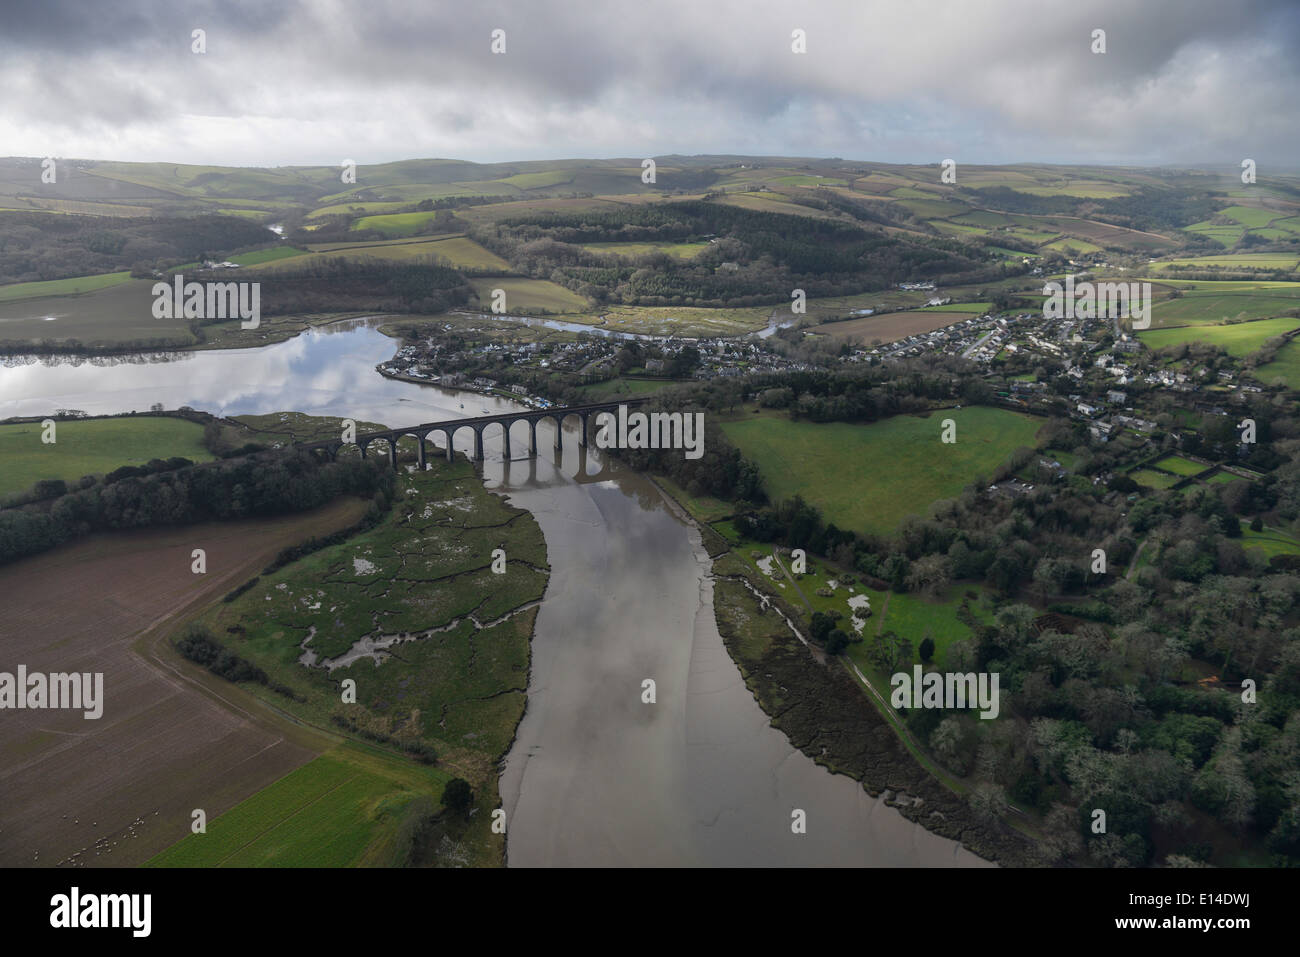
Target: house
1011,488
654,365
1052,467
1100,431
1132,422
1116,397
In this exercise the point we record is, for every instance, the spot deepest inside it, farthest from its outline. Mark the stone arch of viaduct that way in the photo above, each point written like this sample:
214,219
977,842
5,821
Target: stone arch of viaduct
450,428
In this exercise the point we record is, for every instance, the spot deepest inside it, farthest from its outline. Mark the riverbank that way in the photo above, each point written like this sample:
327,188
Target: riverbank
595,775
406,637
822,711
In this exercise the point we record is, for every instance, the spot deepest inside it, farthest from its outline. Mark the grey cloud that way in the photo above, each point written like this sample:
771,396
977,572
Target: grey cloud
1004,80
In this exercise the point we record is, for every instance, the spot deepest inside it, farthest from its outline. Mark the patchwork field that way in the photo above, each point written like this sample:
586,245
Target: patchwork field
93,447
119,789
890,326
868,477
436,642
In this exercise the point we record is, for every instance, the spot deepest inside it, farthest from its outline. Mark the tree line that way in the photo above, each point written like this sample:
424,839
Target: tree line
269,483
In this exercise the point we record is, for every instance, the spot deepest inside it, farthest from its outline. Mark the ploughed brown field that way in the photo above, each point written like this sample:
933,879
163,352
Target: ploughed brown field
889,327
172,738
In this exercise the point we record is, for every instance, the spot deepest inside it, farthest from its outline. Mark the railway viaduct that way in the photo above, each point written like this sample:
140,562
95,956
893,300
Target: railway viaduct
479,424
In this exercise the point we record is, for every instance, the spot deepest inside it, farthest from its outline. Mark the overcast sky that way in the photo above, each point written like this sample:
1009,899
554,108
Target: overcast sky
1182,82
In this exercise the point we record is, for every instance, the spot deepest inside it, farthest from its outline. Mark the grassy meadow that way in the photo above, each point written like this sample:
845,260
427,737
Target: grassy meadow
344,809
869,477
1237,339
92,447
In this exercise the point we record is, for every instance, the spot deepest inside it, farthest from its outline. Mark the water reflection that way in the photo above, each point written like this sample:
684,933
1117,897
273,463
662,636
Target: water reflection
595,776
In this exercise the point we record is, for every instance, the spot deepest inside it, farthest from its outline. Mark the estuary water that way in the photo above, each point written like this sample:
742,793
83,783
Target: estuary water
596,776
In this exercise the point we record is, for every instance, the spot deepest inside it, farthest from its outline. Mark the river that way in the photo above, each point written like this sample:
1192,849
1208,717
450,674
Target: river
595,776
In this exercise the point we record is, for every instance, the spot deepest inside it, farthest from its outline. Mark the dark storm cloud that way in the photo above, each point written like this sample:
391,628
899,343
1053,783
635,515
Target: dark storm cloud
311,81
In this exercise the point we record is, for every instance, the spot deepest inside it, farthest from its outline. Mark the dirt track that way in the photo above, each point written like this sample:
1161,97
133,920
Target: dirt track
169,740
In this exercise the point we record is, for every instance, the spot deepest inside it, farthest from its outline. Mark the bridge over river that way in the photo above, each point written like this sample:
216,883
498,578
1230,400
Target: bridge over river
480,424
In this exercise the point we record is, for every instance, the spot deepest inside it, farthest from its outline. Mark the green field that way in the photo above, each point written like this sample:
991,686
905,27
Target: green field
913,617
425,568
868,477
1249,215
1180,466
679,250
1210,305
259,256
682,320
61,287
396,225
1270,541
1153,479
1072,244
1223,235
1238,339
328,813
93,447
1286,366
345,208
111,315
1223,478
1237,261
529,295
552,177
622,386
458,250
465,253
968,307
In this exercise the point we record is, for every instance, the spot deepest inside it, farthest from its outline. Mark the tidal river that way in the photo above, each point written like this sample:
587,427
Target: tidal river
595,776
